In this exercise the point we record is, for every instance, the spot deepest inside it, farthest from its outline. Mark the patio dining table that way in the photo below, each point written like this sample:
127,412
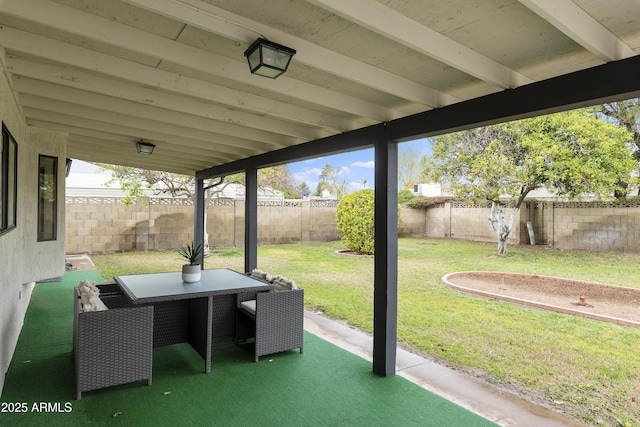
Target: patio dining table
191,312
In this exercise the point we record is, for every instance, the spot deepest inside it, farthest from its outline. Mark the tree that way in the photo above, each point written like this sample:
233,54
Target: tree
571,153
321,188
330,180
626,114
279,178
133,181
304,190
406,197
409,168
355,221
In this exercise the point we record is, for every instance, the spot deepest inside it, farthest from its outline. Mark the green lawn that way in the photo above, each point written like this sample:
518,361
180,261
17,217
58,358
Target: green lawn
585,368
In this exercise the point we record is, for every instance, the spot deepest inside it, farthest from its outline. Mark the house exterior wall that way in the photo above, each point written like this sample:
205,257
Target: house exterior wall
24,260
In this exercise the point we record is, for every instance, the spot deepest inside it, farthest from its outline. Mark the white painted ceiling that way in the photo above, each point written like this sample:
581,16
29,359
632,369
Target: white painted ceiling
172,72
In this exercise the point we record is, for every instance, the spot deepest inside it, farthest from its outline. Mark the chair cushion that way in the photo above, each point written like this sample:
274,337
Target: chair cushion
283,284
261,275
90,296
249,306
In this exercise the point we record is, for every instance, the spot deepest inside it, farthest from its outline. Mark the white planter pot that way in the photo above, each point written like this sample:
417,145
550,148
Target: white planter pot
191,273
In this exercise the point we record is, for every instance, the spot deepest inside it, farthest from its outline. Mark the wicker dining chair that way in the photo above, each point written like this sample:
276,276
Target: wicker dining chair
114,346
277,321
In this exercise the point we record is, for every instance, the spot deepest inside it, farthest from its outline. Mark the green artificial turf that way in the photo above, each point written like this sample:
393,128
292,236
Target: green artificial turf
325,386
584,368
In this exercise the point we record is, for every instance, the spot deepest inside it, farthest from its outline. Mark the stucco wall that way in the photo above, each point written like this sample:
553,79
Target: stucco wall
24,260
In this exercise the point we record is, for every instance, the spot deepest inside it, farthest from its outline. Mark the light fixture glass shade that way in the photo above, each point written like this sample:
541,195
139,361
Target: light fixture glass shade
268,59
144,147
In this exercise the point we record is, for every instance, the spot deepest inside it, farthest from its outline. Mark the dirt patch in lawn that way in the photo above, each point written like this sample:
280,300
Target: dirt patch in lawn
617,304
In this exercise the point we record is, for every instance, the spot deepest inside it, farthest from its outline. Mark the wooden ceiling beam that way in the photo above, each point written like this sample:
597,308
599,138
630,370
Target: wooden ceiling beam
577,24
53,51
404,30
219,21
32,69
120,36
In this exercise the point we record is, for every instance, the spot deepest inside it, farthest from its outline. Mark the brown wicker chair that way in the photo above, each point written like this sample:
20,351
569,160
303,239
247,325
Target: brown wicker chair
277,322
112,347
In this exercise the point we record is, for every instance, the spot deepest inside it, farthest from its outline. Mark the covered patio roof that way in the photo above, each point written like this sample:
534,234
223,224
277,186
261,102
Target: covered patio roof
366,73
172,72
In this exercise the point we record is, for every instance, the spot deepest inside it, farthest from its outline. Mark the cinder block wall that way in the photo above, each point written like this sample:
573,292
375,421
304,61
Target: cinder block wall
596,227
280,222
319,221
223,223
455,220
589,226
96,225
104,224
413,222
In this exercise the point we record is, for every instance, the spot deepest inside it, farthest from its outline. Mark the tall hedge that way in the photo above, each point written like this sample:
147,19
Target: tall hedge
354,218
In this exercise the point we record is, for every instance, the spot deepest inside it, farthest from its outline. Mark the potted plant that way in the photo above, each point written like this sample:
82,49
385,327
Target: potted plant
191,272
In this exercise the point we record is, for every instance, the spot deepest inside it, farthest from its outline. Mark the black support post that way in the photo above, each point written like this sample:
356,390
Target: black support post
251,220
199,210
385,304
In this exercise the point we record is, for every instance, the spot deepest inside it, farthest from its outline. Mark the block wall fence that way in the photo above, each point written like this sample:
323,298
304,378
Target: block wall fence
589,226
104,224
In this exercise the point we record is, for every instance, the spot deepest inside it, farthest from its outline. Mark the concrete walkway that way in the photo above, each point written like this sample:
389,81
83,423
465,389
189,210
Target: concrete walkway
504,409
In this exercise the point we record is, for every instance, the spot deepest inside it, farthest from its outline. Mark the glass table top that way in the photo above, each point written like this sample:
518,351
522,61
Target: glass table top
214,281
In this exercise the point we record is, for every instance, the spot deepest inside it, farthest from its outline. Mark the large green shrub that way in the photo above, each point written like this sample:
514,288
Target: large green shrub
354,218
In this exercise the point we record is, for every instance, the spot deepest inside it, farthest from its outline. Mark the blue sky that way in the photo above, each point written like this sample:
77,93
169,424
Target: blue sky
354,167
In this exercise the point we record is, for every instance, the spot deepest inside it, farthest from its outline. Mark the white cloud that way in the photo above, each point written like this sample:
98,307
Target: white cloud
357,186
343,171
370,164
313,160
307,174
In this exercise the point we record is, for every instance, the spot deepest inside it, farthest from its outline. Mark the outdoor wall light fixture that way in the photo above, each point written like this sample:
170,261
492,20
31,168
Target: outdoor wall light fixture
144,147
268,59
